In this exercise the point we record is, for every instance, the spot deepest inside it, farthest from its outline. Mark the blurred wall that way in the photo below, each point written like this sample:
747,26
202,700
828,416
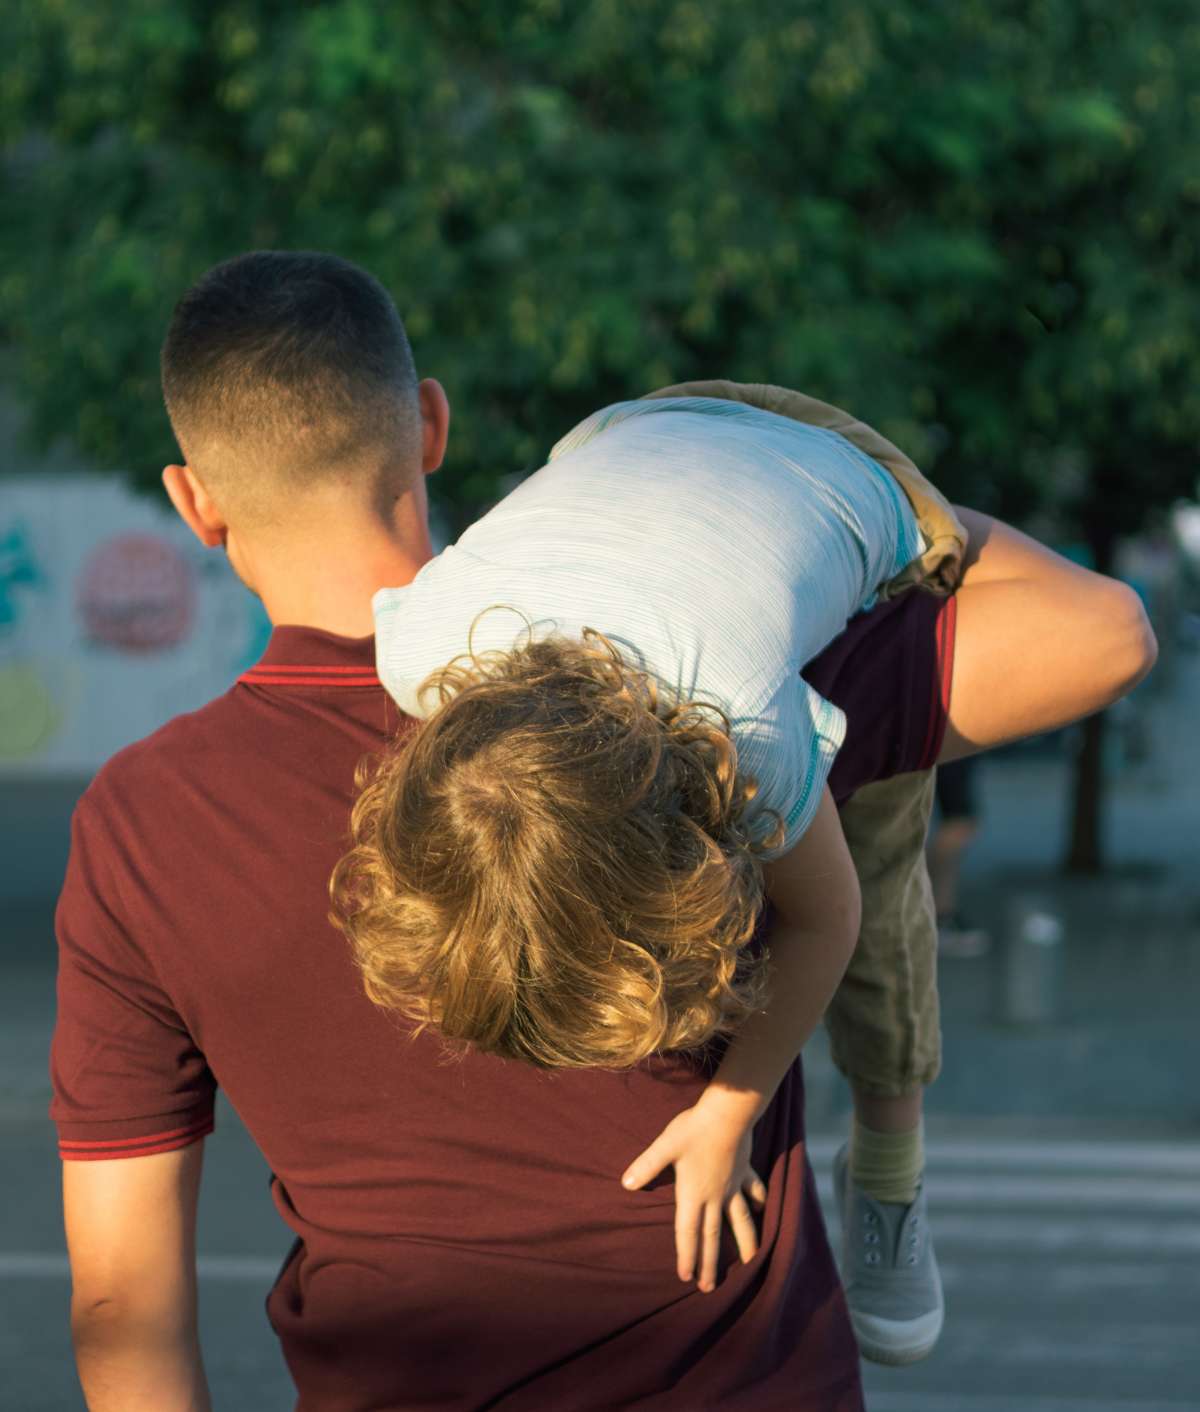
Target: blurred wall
112,620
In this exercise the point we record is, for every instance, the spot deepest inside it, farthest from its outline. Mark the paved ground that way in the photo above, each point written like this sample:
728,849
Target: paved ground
1064,1157
1070,1276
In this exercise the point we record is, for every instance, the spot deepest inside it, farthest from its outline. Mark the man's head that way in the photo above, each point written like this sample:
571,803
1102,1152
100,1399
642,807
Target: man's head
283,369
558,866
290,385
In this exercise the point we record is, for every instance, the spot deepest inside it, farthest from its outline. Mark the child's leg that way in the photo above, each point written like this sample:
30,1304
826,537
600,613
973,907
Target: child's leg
883,1021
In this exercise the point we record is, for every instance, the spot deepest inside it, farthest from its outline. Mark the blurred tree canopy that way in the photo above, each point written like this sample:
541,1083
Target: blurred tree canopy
973,224
976,225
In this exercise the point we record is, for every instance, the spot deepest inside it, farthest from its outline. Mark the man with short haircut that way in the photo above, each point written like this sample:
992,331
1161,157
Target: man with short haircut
462,1239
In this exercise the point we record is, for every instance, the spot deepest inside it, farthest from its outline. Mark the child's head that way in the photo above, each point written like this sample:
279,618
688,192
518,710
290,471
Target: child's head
557,866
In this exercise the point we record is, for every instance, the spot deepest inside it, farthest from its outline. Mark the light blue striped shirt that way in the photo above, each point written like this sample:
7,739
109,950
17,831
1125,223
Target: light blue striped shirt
719,546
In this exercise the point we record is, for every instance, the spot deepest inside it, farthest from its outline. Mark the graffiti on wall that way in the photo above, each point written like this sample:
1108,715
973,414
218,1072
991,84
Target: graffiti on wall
19,572
112,620
29,713
136,594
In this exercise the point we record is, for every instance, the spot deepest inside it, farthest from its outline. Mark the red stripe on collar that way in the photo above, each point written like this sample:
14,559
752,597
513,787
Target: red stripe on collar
273,675
278,669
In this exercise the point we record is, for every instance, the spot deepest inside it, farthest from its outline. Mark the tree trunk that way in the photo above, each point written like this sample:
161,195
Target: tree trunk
1086,844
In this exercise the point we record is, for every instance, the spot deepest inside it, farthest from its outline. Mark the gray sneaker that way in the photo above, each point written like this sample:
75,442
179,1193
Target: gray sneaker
889,1270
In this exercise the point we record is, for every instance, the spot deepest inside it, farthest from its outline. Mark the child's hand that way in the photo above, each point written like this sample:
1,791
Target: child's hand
709,1147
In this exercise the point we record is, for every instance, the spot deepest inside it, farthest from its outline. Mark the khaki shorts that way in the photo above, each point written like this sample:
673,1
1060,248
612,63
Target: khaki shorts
884,1028
883,1021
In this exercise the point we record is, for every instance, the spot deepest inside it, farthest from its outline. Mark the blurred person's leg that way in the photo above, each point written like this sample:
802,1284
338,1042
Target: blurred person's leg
886,1039
958,824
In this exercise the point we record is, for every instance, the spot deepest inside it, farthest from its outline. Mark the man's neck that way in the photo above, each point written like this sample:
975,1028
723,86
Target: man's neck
327,580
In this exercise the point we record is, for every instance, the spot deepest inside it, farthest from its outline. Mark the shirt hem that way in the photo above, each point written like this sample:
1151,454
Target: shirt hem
829,730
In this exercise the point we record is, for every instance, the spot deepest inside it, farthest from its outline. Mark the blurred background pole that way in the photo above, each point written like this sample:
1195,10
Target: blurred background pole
1031,964
1085,848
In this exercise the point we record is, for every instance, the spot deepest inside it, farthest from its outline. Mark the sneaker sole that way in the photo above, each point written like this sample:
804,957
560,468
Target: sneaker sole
885,1341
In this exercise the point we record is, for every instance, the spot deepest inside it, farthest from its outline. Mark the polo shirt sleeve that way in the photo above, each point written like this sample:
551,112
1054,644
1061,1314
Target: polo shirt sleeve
128,1080
890,672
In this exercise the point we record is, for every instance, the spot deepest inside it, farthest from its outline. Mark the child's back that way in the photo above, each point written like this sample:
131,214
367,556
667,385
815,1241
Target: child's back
719,546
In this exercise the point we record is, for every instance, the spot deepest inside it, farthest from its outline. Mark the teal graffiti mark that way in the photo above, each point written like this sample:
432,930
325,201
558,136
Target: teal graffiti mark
18,570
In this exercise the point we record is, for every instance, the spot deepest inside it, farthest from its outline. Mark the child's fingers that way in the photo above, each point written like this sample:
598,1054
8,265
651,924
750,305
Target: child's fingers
741,1223
648,1164
755,1188
687,1230
711,1248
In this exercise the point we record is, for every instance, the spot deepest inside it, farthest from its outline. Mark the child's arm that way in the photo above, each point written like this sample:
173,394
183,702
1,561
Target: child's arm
814,891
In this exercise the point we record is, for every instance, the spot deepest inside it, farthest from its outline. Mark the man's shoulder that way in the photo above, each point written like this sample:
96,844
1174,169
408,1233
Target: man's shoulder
150,766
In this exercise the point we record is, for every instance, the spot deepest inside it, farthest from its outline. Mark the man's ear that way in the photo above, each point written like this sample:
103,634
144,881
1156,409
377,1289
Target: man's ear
435,423
194,506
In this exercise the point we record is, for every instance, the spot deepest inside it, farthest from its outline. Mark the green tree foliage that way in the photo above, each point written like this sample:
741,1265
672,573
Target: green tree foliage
974,224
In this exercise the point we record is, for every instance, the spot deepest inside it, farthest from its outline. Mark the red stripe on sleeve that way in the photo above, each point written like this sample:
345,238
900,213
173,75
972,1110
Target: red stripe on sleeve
103,1149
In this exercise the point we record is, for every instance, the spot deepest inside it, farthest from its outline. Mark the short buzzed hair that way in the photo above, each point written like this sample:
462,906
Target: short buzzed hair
282,368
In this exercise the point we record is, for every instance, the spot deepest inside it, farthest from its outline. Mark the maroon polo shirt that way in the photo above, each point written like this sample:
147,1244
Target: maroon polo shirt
463,1240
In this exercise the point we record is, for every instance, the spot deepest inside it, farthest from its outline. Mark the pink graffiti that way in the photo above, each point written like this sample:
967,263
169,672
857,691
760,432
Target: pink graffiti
135,593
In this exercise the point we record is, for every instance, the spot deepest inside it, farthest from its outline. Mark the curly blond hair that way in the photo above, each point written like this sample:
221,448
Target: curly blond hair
557,865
